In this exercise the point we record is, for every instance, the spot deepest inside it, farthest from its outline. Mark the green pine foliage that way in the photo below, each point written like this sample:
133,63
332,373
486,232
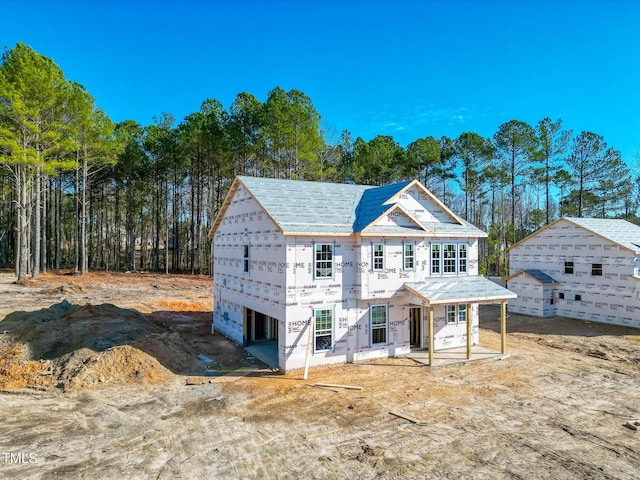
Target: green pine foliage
78,192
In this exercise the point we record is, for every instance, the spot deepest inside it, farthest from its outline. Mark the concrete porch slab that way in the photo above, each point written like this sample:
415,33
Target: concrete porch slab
266,352
457,355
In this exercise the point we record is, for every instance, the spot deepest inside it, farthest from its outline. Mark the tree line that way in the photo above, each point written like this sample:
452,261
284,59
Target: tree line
79,192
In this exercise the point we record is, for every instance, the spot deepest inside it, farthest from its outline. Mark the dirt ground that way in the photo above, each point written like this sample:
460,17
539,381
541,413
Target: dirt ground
93,377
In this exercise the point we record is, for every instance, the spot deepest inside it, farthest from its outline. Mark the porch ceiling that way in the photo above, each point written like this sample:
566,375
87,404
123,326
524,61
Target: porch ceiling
471,289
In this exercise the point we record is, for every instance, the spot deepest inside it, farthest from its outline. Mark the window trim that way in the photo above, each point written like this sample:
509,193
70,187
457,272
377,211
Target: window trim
316,260
375,257
457,263
405,257
453,313
324,334
595,270
450,311
461,312
463,260
438,270
245,258
385,327
453,259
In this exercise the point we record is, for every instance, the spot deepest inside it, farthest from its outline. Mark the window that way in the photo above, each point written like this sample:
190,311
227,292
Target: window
245,256
378,324
449,254
435,258
451,314
324,260
578,298
409,256
551,298
323,330
568,268
561,295
596,269
456,313
378,256
462,258
462,313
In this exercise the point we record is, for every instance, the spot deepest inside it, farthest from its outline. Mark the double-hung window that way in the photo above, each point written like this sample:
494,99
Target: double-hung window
323,330
245,258
451,314
378,256
596,269
435,258
409,256
462,313
456,313
449,257
462,258
568,268
323,260
378,324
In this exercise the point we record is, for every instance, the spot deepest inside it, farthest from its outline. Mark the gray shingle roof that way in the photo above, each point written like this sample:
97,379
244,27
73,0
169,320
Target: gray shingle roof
469,289
540,276
317,207
619,231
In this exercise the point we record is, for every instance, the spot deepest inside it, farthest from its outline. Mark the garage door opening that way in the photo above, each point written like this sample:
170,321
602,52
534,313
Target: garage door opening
259,327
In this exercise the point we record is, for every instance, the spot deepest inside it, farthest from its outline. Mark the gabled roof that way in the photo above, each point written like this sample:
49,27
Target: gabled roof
471,289
623,233
537,275
303,207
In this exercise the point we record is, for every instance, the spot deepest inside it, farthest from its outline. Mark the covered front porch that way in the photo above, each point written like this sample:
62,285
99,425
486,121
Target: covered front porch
462,293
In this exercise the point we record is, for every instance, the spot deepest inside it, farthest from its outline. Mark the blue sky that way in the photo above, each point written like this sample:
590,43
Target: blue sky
403,68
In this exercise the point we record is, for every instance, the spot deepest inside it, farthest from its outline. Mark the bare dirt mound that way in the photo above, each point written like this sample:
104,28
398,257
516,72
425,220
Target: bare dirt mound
70,346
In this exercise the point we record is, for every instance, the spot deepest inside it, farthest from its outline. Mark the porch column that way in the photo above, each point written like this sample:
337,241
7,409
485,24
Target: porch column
430,333
503,325
468,331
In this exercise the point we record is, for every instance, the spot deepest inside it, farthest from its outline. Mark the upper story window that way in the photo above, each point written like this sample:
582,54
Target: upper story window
449,258
435,258
568,268
596,269
378,256
449,255
462,258
409,259
323,260
245,258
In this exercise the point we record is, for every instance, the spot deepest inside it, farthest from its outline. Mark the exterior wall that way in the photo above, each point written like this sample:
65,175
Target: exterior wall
613,297
280,283
389,281
343,295
263,287
534,298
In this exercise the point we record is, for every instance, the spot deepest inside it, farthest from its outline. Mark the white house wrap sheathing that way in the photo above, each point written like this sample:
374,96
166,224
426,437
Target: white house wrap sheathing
266,242
595,265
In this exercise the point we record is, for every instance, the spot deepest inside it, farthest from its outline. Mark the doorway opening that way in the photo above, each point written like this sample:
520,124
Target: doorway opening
259,327
415,322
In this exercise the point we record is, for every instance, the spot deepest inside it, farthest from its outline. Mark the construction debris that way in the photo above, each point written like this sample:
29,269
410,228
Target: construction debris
333,385
407,417
633,425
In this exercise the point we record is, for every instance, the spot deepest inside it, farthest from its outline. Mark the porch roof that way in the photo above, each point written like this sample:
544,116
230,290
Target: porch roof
471,289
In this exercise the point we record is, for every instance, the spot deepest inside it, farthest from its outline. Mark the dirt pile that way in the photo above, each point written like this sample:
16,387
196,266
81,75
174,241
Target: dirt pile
71,346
